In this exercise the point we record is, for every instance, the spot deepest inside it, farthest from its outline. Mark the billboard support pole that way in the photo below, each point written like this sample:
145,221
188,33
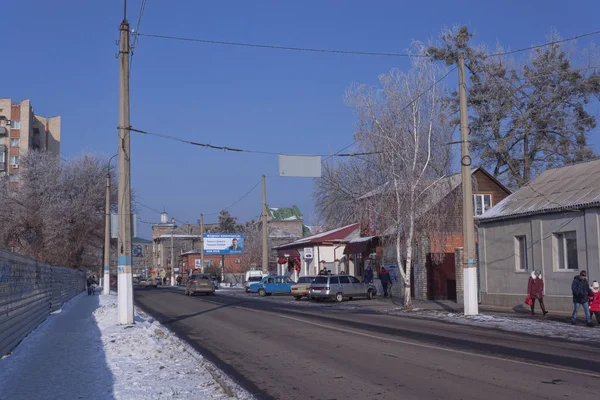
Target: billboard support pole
222,267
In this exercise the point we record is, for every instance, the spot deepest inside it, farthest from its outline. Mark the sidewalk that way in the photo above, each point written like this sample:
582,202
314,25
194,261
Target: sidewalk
81,353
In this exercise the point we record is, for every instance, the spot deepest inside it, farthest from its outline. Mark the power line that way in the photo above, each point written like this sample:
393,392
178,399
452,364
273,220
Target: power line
238,150
237,201
135,33
544,44
276,47
336,154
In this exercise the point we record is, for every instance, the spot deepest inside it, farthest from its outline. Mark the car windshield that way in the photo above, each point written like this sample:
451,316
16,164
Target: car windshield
320,279
306,279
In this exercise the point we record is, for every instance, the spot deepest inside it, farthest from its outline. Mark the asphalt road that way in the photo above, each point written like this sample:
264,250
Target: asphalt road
283,350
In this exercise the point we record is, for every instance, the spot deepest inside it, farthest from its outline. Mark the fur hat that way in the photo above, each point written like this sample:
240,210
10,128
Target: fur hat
596,286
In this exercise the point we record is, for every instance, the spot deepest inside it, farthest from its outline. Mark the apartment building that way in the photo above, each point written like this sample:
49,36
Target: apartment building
21,130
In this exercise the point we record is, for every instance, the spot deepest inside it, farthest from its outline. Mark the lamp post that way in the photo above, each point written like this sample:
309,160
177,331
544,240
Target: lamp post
105,283
173,226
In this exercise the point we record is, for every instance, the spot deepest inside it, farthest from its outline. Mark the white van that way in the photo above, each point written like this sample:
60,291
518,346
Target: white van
252,277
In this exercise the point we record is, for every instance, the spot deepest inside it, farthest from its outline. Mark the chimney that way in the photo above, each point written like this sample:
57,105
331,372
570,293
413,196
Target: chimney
164,217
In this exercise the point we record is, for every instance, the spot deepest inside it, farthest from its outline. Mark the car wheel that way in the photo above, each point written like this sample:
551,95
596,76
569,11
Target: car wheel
297,297
339,297
369,294
262,292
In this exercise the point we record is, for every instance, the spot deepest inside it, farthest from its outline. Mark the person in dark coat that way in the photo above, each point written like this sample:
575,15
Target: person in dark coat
90,285
535,290
386,281
368,278
581,291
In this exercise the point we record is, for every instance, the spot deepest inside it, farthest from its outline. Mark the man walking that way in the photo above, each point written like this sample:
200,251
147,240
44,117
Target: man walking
386,281
581,290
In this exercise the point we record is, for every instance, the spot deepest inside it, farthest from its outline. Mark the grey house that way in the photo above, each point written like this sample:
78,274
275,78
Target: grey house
553,225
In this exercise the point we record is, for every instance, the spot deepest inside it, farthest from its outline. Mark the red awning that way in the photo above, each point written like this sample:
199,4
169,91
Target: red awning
288,253
360,245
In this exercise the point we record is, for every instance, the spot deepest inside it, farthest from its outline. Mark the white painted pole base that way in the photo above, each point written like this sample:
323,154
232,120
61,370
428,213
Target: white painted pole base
106,282
172,280
125,298
470,291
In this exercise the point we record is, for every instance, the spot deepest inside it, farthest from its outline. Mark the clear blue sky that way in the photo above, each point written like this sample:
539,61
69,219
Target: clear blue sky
60,54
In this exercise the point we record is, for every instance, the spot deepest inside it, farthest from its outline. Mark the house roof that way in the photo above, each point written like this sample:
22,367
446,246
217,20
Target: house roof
284,214
338,235
555,190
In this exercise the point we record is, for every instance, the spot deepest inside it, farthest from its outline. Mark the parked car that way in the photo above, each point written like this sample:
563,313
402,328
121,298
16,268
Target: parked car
301,288
251,280
340,287
200,283
147,282
272,284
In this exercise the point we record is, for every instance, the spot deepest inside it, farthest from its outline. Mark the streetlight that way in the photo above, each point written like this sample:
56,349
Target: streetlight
106,281
173,226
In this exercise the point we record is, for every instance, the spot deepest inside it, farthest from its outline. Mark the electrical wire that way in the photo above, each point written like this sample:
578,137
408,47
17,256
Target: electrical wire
238,150
276,47
237,201
544,44
135,33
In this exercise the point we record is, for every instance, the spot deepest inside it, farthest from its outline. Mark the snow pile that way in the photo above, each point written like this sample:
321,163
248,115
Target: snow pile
532,326
147,359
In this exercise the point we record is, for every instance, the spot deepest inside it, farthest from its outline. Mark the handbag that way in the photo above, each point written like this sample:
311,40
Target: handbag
528,300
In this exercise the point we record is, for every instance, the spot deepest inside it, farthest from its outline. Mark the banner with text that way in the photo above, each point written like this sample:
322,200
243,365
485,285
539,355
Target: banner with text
227,243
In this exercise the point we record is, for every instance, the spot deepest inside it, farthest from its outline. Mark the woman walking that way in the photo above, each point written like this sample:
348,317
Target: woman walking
535,290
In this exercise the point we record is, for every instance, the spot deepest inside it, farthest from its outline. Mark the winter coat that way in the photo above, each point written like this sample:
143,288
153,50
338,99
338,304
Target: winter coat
535,287
581,290
385,278
368,275
90,281
594,301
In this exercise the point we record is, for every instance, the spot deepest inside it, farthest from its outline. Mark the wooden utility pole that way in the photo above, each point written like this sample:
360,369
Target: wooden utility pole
202,243
265,232
469,267
124,262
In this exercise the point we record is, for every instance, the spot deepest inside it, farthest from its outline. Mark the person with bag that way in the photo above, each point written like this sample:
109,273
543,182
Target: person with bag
581,291
594,301
535,290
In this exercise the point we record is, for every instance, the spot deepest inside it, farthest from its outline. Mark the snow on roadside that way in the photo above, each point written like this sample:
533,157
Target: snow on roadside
531,326
146,358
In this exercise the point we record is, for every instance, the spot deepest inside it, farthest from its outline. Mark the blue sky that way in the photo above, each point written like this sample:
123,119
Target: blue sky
60,54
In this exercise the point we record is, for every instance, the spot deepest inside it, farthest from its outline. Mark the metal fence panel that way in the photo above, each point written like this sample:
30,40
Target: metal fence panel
29,292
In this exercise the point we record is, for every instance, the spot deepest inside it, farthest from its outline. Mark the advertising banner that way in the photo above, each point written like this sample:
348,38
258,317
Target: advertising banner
227,243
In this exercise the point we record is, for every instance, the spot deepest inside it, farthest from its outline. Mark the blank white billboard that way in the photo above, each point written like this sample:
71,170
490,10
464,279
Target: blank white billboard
303,166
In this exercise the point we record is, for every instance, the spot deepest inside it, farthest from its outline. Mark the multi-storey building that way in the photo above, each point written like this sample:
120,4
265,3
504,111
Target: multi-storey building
21,131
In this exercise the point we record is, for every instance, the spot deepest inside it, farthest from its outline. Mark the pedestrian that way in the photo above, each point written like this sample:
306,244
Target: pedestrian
386,281
595,301
368,278
165,280
535,290
581,291
179,280
90,285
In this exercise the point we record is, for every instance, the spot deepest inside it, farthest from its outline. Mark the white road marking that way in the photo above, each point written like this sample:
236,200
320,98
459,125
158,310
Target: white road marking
427,346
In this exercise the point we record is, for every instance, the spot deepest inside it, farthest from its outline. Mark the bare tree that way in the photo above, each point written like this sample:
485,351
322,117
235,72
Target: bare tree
528,115
55,212
405,124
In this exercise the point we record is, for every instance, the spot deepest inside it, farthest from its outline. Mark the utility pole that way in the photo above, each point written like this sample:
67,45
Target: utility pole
125,278
202,243
468,263
172,259
265,233
106,283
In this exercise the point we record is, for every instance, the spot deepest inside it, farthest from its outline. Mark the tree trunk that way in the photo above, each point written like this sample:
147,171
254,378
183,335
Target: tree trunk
409,240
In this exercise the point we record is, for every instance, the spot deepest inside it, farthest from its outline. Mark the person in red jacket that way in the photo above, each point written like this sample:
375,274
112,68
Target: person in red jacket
535,290
595,301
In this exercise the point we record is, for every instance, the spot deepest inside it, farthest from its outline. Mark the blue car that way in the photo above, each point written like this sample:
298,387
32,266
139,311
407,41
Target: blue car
272,284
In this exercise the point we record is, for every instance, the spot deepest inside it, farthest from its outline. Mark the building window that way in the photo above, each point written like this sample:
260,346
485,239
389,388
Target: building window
15,124
14,160
14,142
481,203
565,251
2,155
521,253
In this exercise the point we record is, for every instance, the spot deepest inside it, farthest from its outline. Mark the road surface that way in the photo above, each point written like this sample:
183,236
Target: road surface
283,350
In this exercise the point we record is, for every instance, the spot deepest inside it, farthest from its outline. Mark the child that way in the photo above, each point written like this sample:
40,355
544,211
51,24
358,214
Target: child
595,301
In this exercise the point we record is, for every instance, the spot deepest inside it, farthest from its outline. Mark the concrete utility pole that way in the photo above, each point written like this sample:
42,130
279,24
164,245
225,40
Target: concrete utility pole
265,233
124,265
172,259
469,269
106,281
202,243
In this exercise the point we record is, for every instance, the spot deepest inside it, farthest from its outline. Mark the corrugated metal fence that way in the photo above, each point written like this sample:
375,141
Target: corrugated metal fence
29,292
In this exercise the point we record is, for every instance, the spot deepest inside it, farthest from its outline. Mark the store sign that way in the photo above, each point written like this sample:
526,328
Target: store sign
308,253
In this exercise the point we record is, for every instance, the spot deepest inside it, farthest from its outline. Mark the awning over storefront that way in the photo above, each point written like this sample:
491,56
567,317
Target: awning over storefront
288,253
360,245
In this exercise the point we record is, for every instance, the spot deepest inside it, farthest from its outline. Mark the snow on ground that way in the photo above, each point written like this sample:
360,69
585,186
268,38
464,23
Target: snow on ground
532,326
82,352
